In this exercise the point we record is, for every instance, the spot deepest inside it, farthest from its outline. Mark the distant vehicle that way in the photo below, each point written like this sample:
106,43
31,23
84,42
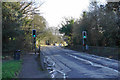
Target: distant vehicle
55,44
47,43
60,44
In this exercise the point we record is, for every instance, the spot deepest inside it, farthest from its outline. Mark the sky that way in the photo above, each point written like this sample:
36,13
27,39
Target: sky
54,11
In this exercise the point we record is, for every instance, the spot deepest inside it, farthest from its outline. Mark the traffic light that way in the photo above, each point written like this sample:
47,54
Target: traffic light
84,42
34,33
84,34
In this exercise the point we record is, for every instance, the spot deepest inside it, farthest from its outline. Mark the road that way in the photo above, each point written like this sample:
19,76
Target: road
81,65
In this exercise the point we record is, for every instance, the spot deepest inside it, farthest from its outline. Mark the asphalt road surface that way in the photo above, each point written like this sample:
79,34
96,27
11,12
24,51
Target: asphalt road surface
81,65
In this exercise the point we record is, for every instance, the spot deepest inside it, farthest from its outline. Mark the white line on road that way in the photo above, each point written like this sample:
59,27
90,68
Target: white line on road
93,64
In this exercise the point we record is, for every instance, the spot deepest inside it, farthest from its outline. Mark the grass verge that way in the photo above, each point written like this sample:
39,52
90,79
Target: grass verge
10,69
0,70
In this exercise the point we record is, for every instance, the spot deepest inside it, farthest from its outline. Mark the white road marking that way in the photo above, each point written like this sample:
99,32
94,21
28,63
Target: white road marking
93,64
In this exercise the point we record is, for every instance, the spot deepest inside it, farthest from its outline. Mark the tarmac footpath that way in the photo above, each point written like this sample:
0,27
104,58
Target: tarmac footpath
31,68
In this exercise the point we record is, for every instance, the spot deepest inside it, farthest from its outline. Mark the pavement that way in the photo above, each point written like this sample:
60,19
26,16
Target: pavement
31,68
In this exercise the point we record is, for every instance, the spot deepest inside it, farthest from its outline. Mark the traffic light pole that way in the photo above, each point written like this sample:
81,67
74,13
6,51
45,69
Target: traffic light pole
84,45
35,44
35,47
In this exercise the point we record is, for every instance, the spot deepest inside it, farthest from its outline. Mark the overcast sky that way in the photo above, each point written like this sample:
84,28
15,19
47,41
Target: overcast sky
54,11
